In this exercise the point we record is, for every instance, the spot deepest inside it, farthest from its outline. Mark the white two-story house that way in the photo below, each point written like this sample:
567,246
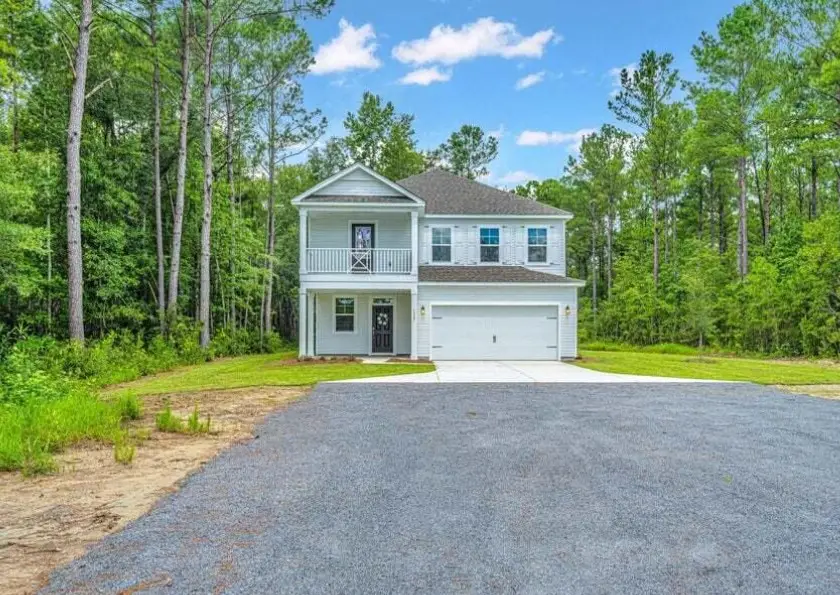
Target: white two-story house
433,266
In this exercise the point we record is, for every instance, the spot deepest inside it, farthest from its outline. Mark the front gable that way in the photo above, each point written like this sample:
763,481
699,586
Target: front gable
357,184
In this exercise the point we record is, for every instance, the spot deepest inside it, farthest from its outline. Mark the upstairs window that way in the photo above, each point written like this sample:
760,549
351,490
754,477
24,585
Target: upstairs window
441,244
345,314
537,244
489,244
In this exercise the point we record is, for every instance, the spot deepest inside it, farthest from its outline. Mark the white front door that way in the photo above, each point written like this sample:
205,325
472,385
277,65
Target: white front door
478,332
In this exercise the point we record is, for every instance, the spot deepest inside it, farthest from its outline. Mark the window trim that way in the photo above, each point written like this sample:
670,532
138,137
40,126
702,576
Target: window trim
528,245
432,244
498,246
336,314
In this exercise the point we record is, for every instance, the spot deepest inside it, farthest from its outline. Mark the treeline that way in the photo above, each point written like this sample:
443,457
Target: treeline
711,214
148,154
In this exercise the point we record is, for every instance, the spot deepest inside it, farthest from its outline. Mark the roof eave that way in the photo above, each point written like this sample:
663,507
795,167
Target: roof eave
299,199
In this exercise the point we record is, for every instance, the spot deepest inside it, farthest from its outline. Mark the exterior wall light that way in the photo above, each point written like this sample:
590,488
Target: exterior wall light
422,310
568,310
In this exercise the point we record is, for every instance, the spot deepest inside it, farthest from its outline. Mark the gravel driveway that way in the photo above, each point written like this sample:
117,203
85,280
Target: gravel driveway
680,488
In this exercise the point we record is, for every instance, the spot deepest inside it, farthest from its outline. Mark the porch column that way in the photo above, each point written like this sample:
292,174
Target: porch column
310,324
415,248
304,229
414,316
302,326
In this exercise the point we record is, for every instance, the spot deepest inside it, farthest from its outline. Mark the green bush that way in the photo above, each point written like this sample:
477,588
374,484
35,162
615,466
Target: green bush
129,406
166,421
123,450
195,425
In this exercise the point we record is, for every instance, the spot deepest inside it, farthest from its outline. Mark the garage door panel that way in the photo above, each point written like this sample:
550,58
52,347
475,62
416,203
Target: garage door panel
478,332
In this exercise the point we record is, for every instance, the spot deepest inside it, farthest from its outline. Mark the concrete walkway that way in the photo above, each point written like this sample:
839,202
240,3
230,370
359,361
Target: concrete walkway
515,371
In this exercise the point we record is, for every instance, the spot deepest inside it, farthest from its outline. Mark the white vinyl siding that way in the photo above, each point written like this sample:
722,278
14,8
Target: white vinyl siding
329,342
357,183
332,230
513,236
514,295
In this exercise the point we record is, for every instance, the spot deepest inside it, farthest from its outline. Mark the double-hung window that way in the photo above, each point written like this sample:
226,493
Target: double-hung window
441,244
537,245
489,244
345,314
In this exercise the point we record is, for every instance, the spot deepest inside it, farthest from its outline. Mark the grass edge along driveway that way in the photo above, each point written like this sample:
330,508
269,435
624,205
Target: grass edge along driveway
274,369
760,371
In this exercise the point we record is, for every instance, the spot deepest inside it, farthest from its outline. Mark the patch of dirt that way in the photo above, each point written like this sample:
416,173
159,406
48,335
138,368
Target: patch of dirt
47,521
824,391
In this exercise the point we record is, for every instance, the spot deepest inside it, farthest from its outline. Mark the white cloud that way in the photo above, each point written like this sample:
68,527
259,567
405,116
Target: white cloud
615,75
354,48
536,138
530,80
579,71
484,37
426,76
517,177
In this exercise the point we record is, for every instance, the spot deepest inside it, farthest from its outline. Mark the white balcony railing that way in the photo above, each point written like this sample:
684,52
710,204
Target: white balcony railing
374,261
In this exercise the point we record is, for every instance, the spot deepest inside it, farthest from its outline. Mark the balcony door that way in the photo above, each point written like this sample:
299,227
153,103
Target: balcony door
361,247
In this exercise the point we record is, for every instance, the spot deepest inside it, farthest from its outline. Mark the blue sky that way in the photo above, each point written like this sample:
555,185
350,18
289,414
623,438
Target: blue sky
536,72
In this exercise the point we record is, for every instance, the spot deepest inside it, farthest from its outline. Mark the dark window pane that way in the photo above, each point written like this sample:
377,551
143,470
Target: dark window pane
441,253
344,323
489,236
537,236
489,254
537,254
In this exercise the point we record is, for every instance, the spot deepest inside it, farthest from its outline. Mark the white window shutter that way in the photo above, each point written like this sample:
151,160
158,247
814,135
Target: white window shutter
426,245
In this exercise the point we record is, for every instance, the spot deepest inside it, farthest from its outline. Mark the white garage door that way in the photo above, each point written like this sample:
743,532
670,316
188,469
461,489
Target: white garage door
494,332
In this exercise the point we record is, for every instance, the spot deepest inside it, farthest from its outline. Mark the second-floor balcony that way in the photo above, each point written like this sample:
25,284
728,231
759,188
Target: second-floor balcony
370,261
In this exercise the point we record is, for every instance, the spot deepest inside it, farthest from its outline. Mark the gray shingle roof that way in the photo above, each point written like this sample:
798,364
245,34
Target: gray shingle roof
485,274
354,199
448,194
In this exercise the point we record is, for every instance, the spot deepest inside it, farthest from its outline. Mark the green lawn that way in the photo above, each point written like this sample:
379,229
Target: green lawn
761,371
261,370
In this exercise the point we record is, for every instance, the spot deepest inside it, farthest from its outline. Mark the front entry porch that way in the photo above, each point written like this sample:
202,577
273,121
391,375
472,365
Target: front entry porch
358,322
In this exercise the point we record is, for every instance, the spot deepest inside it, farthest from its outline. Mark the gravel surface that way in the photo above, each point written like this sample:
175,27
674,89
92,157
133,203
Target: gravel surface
615,488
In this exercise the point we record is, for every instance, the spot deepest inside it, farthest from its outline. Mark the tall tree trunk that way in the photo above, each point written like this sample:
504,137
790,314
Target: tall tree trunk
183,123
812,210
272,142
837,183
762,208
768,190
743,263
594,268
161,293
229,128
800,186
207,214
655,241
610,225
75,278
722,231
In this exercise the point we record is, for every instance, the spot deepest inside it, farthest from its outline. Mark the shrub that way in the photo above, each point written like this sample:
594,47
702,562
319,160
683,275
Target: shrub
129,406
123,450
166,421
195,425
